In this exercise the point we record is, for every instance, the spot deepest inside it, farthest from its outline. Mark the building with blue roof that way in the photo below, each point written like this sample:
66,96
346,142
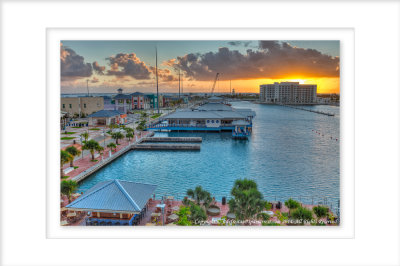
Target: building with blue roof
114,201
107,117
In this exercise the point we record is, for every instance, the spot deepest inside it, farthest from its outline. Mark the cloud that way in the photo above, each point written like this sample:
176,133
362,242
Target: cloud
240,43
272,60
97,68
94,80
164,74
73,65
128,65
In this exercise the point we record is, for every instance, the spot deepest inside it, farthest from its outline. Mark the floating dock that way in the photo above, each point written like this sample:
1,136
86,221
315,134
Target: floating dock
147,146
173,139
308,110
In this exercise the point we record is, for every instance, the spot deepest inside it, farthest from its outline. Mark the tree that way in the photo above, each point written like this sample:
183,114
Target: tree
302,214
247,201
197,214
117,136
200,196
112,146
129,136
68,187
92,146
85,136
183,215
74,152
100,149
292,204
320,212
65,157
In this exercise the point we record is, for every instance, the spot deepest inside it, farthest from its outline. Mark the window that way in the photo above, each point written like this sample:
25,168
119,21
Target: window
70,105
63,105
84,105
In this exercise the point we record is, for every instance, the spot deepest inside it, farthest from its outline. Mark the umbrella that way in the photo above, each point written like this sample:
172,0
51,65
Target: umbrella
173,217
71,214
150,224
155,214
62,223
63,209
176,208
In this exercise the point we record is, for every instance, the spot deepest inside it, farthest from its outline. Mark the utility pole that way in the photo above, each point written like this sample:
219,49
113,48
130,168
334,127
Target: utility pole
87,87
158,106
179,84
230,87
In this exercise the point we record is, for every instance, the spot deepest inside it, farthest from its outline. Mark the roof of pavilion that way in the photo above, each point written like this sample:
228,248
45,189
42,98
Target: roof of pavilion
105,113
115,196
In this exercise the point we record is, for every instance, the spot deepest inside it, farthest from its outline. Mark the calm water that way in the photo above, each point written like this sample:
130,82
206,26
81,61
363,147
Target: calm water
284,156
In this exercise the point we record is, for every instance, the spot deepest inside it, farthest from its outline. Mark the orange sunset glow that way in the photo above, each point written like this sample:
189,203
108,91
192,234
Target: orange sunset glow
243,66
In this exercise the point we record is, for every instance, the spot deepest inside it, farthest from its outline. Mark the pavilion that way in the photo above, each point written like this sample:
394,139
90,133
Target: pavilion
114,202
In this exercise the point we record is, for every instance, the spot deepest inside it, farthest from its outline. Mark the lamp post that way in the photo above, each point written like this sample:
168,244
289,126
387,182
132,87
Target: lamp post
81,146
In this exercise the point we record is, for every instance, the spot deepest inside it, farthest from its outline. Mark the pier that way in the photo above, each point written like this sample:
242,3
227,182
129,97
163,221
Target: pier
308,110
173,139
146,146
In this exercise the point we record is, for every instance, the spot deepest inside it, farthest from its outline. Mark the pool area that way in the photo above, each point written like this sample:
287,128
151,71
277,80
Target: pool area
290,153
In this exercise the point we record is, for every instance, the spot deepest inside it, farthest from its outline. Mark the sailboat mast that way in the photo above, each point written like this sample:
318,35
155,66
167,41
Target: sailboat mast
179,83
158,101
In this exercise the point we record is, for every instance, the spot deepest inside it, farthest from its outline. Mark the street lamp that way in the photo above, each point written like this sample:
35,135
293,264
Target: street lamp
81,145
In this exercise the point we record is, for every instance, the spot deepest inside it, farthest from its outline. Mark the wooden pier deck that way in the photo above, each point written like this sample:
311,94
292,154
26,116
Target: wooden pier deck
173,139
147,146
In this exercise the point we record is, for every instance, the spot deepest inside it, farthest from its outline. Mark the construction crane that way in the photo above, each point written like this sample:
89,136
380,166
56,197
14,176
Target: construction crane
215,82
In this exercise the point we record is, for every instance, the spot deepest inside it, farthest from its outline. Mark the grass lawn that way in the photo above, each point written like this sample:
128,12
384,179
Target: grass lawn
65,177
76,127
155,116
69,133
94,129
67,138
76,167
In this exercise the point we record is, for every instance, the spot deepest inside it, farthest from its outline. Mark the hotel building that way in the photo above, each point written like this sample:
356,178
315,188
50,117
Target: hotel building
288,93
81,105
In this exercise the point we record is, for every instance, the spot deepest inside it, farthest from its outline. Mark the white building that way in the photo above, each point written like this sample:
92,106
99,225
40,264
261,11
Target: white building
288,93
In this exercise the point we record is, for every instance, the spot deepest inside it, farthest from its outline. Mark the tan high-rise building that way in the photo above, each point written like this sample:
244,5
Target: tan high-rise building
288,93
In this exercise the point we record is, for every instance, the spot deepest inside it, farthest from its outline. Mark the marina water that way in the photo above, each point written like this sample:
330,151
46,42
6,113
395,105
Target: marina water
291,153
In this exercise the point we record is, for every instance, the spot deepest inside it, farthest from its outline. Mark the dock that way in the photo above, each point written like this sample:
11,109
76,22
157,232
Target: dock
173,139
308,110
157,146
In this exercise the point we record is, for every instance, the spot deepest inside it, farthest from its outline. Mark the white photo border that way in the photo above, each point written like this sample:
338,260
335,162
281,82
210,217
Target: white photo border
24,238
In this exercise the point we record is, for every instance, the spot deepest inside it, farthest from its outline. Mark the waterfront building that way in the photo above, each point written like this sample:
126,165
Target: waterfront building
81,106
123,102
212,116
288,93
140,101
152,100
114,202
107,117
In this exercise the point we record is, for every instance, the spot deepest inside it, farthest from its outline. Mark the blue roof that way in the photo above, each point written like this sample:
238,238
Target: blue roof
122,96
137,94
105,113
115,196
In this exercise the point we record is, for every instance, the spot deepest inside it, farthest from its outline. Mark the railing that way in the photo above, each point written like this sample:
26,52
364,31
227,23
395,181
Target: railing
186,125
106,161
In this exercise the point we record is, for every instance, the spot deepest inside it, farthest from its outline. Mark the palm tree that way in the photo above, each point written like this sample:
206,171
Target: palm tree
117,136
92,146
85,135
320,212
292,204
200,195
112,146
129,136
65,157
247,201
68,187
302,214
74,152
100,150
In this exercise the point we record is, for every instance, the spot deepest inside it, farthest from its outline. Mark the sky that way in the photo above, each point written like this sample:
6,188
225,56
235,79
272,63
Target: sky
243,65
